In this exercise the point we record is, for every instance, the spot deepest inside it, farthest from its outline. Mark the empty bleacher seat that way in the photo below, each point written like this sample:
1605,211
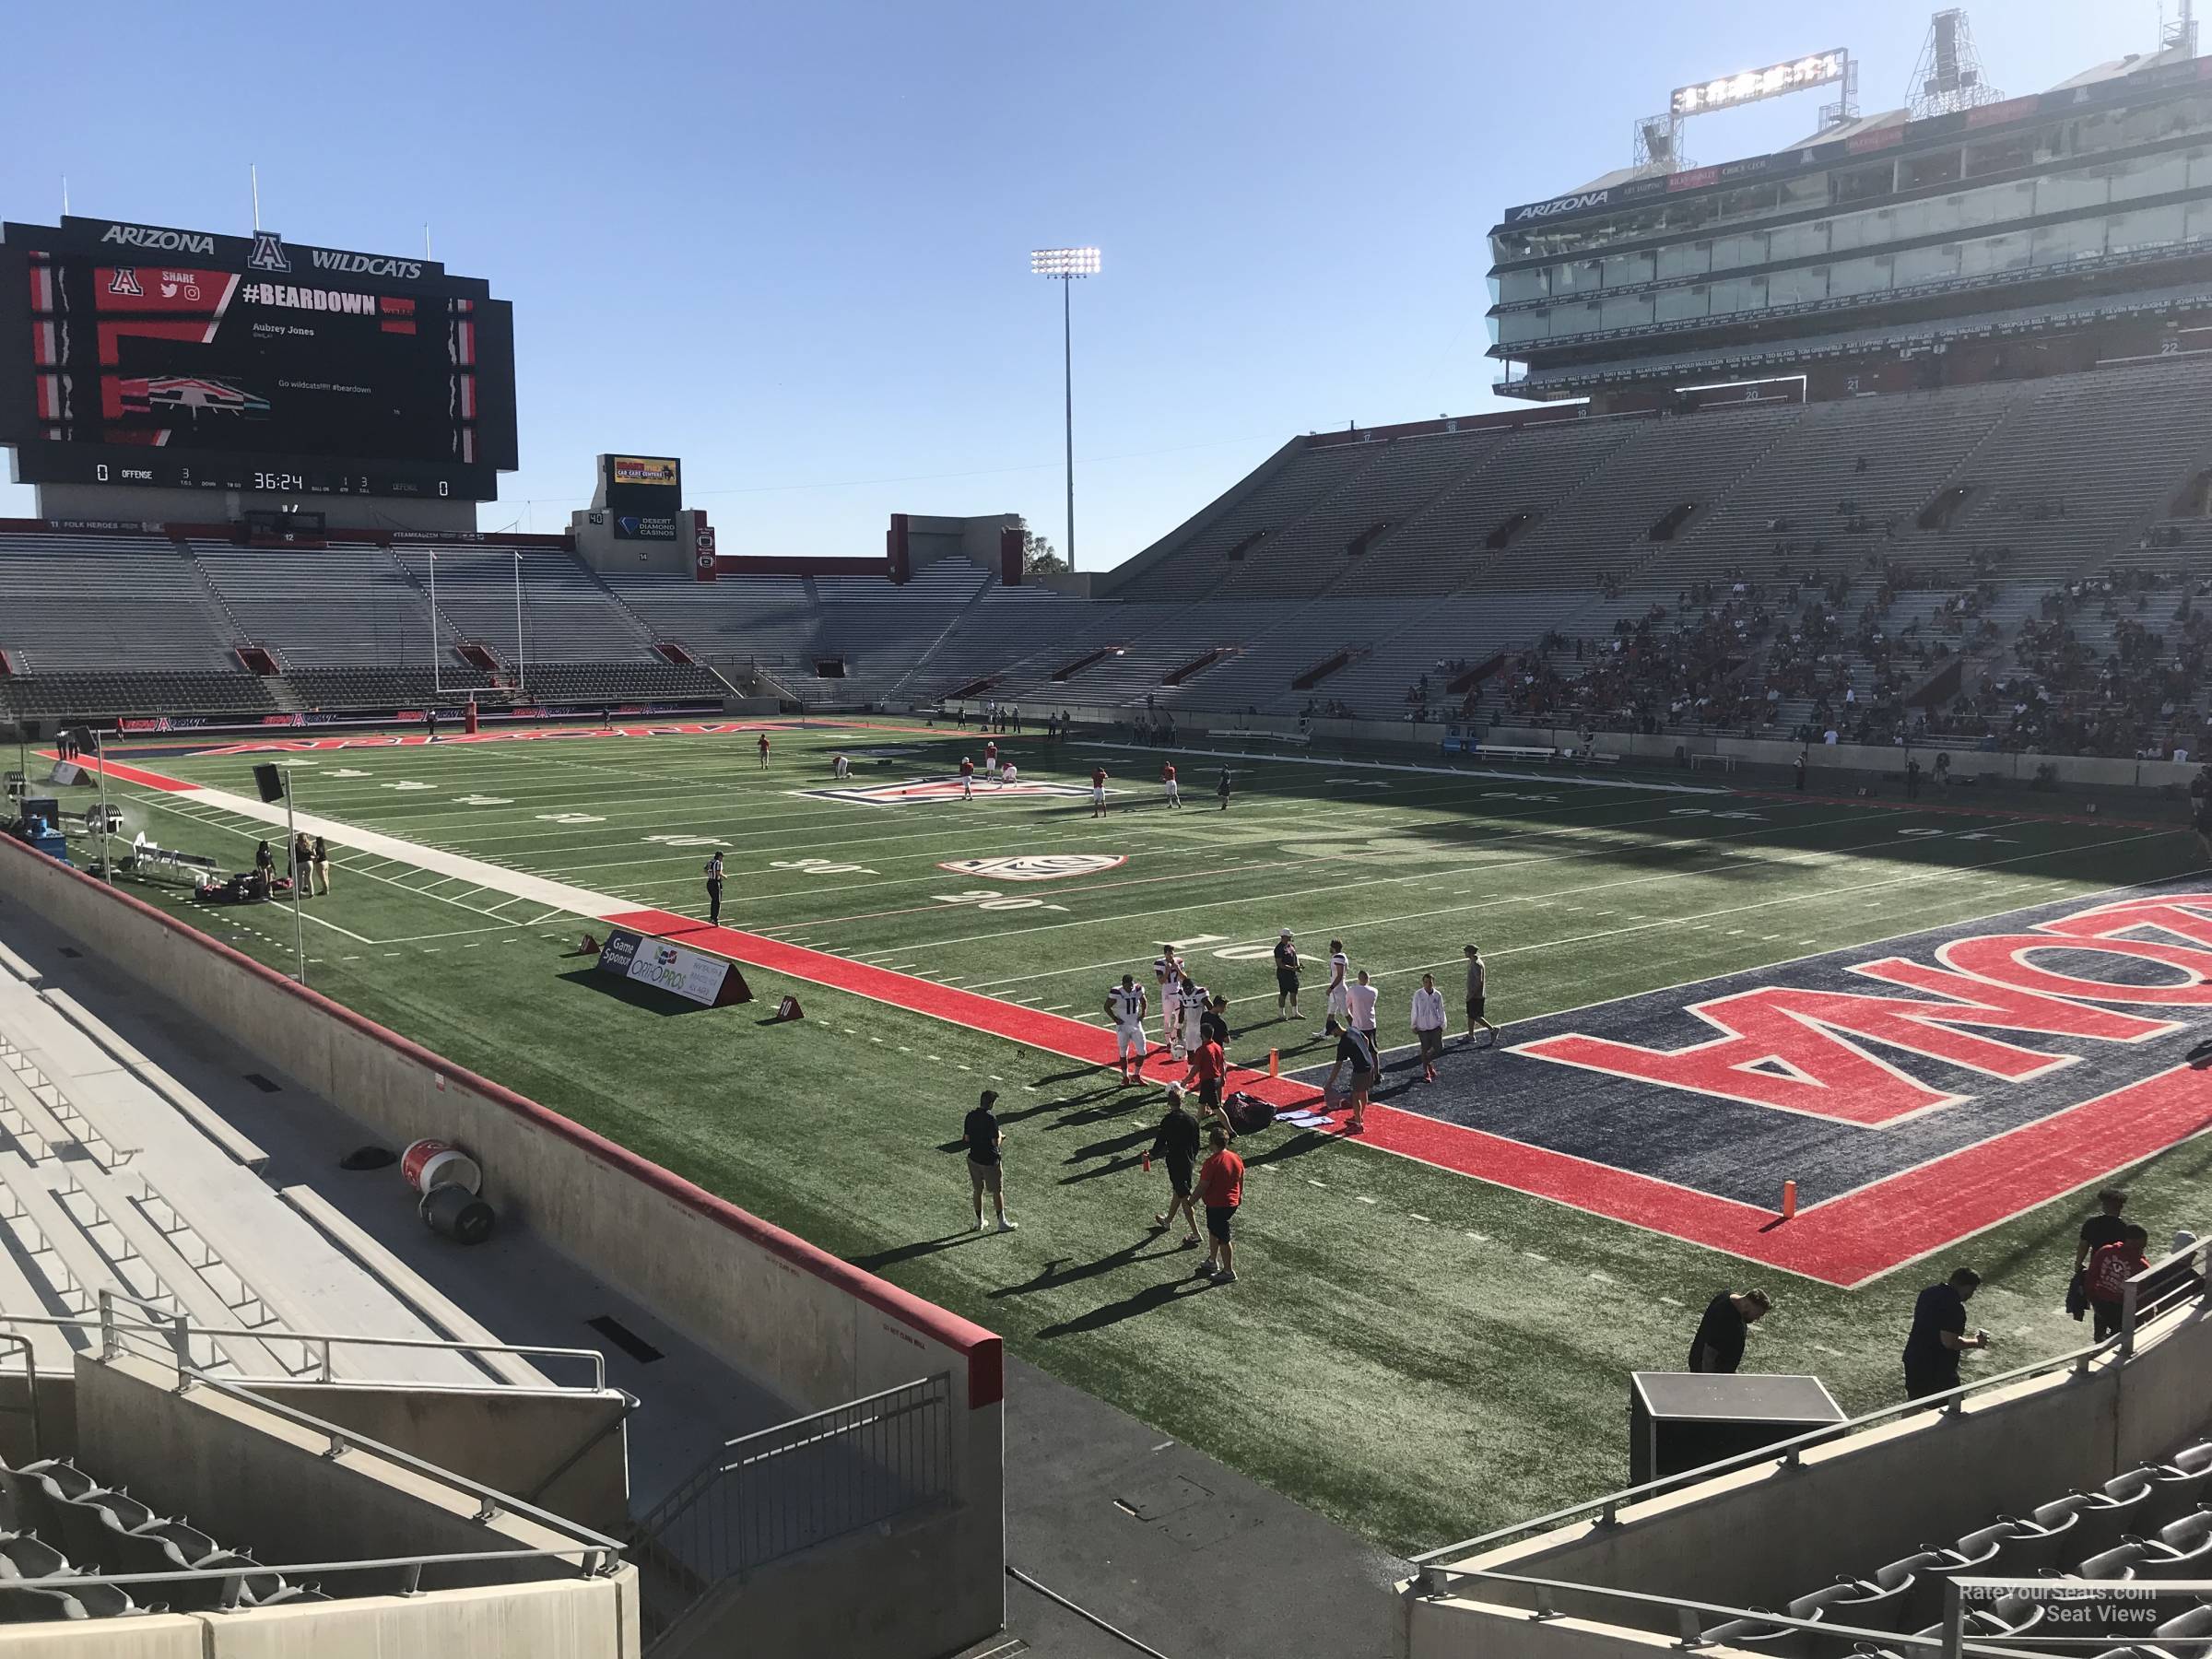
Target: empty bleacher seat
2181,1549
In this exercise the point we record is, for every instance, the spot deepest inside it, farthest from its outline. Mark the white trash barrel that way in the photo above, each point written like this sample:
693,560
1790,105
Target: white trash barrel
430,1164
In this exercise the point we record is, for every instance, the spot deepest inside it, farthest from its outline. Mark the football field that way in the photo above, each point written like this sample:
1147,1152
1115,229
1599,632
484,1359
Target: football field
1941,1018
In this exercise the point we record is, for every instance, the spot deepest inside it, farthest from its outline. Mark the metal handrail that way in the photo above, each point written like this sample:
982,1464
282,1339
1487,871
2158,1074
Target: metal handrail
327,1340
1437,1580
688,1491
1951,1401
588,1558
491,1502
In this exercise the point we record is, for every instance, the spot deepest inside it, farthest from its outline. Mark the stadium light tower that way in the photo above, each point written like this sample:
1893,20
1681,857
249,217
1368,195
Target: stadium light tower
1063,266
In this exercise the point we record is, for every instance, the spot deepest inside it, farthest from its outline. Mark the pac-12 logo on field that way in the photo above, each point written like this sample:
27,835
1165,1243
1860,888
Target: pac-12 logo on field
1036,867
947,789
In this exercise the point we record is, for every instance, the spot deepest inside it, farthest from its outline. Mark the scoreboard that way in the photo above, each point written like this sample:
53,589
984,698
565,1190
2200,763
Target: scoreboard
135,355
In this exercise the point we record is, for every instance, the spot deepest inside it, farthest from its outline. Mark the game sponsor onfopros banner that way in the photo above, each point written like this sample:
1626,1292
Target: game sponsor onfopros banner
710,981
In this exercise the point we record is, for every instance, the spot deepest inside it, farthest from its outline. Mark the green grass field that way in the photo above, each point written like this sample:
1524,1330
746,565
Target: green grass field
1417,1353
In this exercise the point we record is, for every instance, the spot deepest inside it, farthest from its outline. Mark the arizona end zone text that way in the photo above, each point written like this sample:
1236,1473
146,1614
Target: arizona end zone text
1918,1092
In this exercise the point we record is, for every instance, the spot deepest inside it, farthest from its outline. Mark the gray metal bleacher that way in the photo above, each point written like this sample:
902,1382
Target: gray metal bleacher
1442,547
568,615
1314,551
345,605
94,602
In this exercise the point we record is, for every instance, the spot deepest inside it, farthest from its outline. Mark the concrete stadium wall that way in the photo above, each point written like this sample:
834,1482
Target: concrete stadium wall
806,1600
812,1328
56,1398
258,1482
1767,1534
509,1439
573,1618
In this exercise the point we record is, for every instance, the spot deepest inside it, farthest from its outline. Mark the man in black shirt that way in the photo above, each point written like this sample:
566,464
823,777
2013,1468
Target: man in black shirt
1213,1023
986,1168
1939,1335
1176,1144
1285,977
2103,1227
1719,1343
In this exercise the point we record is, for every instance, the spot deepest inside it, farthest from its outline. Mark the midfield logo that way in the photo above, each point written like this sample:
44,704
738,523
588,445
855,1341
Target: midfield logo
1036,867
918,790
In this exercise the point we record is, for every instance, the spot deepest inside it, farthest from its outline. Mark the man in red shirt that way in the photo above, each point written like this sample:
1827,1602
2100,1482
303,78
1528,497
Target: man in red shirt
1209,1067
990,757
967,779
764,751
1097,791
2111,1267
1221,1186
1167,782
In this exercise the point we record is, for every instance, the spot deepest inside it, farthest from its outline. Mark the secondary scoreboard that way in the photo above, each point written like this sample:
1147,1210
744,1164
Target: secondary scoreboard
182,359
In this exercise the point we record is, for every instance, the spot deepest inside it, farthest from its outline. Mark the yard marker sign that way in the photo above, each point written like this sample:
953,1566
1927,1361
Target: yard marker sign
1919,1090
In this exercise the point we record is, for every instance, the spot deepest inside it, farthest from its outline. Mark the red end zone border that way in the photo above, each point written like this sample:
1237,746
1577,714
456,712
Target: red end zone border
1845,1241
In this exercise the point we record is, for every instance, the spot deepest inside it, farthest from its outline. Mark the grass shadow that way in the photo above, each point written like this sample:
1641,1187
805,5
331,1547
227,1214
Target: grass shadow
877,1261
1130,1307
649,999
1054,1274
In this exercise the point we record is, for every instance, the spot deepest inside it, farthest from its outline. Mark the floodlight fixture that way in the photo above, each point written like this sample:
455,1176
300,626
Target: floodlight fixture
1064,262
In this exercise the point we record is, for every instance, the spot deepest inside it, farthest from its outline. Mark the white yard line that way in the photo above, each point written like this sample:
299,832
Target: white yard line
557,895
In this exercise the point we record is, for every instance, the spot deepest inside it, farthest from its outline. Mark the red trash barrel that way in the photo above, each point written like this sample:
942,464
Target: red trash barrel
430,1164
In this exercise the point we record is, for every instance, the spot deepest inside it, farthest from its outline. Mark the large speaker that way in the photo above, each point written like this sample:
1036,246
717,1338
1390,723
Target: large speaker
269,779
1680,1420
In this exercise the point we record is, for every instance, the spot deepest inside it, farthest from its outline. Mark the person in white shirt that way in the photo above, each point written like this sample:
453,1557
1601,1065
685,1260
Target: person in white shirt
1428,1025
1192,1009
1339,964
1008,774
1167,973
1126,1008
840,767
1361,999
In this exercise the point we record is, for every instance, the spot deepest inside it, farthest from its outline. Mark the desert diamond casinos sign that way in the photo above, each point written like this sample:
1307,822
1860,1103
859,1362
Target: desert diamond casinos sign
1918,1090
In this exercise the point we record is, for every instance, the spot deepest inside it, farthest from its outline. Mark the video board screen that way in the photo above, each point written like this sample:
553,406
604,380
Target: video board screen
643,494
133,354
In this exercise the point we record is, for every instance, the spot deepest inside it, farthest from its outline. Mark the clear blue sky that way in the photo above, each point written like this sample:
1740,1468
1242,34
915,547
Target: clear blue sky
791,243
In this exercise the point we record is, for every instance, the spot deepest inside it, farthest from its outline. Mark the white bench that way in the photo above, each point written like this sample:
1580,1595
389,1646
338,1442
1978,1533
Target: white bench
195,1110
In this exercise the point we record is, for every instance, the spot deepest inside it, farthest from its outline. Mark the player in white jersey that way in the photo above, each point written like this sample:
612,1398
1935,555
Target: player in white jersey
1191,1007
1126,1008
1338,1005
1009,774
1167,973
840,767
